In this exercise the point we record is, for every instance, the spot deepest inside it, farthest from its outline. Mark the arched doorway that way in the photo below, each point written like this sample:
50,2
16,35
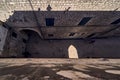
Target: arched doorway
72,52
30,39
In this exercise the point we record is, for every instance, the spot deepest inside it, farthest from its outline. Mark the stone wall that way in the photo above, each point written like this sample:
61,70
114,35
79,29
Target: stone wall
66,23
3,35
62,18
14,46
8,6
59,48
101,48
29,44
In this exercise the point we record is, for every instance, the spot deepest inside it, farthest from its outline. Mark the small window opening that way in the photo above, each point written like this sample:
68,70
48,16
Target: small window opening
91,35
14,34
49,21
84,20
116,22
50,35
71,34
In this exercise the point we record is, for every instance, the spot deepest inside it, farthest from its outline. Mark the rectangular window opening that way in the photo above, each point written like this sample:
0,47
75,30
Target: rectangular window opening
71,34
49,21
84,20
91,35
14,34
50,35
116,22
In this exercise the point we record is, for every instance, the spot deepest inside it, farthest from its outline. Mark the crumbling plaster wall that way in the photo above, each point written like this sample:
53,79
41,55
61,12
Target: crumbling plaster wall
14,46
3,34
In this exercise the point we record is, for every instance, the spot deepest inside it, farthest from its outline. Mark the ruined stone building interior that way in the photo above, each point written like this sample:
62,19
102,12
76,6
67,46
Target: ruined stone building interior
59,29
59,39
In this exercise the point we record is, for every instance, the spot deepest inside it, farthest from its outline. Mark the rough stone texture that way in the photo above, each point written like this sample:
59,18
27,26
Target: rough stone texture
62,18
67,13
13,46
62,4
65,23
7,6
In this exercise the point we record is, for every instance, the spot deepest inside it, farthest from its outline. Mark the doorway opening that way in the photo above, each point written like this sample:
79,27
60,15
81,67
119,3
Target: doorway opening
72,52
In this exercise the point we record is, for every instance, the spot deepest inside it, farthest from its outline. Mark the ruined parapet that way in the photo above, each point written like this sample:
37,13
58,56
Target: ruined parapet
8,6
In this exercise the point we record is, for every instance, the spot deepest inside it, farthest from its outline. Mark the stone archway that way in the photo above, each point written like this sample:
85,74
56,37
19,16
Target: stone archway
30,39
29,29
35,47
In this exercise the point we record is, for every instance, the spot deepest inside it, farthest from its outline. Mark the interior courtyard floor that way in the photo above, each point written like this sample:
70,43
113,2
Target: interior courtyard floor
59,69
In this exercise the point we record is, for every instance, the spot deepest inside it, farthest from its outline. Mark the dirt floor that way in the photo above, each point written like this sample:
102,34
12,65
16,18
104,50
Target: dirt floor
59,69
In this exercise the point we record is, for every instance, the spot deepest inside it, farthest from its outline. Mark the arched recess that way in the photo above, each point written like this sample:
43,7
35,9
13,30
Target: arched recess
30,29
30,38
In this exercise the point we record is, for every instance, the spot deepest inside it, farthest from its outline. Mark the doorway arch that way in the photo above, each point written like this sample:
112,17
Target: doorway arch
72,52
36,30
30,38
